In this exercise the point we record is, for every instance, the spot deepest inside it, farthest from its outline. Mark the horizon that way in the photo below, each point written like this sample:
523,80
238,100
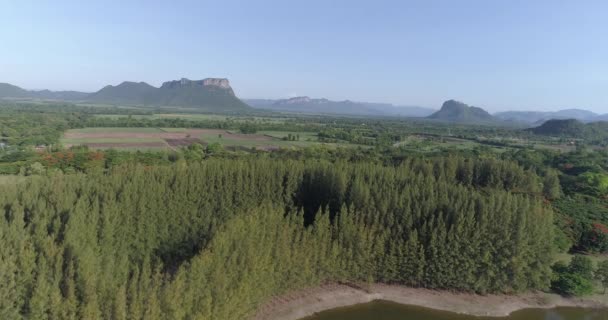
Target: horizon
541,56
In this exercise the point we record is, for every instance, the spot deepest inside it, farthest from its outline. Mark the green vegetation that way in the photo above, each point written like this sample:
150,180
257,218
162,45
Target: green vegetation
184,232
574,279
95,246
595,132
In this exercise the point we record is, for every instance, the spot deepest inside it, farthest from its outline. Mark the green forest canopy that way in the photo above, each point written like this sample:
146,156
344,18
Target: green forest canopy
216,239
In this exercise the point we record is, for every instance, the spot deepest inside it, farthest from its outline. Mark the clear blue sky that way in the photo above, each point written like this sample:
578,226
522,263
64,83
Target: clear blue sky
496,54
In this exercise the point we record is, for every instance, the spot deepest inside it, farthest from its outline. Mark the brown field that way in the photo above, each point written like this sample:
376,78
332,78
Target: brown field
183,142
155,138
96,145
163,135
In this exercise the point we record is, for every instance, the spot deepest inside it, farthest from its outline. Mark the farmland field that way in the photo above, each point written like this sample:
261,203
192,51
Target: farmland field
193,117
171,138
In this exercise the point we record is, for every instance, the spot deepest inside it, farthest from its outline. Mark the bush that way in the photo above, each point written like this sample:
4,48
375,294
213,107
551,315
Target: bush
571,284
575,279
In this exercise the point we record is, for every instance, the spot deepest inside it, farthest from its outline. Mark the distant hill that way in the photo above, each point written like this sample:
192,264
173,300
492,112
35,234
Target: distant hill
532,117
568,127
211,94
324,106
11,91
130,93
456,111
60,95
572,128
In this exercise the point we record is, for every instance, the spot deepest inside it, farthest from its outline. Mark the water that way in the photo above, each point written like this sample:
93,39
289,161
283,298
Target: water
381,310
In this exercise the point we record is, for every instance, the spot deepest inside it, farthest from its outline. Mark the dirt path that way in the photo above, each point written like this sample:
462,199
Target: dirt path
304,303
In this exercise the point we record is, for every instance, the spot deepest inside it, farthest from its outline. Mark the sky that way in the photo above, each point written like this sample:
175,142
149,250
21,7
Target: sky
494,54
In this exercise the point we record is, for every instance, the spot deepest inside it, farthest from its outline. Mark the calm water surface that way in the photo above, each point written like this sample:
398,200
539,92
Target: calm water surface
381,310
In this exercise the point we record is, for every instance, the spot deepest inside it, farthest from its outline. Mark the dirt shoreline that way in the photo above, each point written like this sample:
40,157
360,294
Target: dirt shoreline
304,303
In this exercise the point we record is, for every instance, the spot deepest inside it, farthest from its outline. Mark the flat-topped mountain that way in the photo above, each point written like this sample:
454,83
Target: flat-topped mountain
456,111
309,105
211,94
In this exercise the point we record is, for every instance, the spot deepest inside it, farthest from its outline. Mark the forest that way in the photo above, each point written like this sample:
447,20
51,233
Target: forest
213,240
208,233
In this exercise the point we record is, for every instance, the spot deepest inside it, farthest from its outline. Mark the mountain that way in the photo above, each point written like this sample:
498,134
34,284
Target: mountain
532,117
324,106
211,94
131,93
11,91
456,111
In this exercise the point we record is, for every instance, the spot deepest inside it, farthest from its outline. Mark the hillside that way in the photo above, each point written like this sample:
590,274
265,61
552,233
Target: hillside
596,132
456,111
346,107
124,93
214,95
12,91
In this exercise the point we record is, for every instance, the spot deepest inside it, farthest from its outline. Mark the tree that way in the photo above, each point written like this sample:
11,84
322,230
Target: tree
574,279
214,148
601,274
551,187
581,265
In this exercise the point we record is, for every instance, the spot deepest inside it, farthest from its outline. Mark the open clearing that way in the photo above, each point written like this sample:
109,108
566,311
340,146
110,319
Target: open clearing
171,138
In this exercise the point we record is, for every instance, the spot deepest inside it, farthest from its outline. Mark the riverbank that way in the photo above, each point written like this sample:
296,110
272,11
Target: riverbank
304,303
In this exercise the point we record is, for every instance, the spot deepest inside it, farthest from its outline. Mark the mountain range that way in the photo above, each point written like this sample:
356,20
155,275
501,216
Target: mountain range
216,95
211,94
324,106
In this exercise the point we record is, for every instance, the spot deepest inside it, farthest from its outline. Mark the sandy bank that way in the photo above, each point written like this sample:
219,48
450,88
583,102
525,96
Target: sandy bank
304,303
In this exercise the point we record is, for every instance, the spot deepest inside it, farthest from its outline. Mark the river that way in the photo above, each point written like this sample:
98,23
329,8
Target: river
382,310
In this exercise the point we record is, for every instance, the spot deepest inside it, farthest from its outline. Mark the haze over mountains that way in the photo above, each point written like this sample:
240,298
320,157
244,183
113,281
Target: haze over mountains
324,106
216,95
539,117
